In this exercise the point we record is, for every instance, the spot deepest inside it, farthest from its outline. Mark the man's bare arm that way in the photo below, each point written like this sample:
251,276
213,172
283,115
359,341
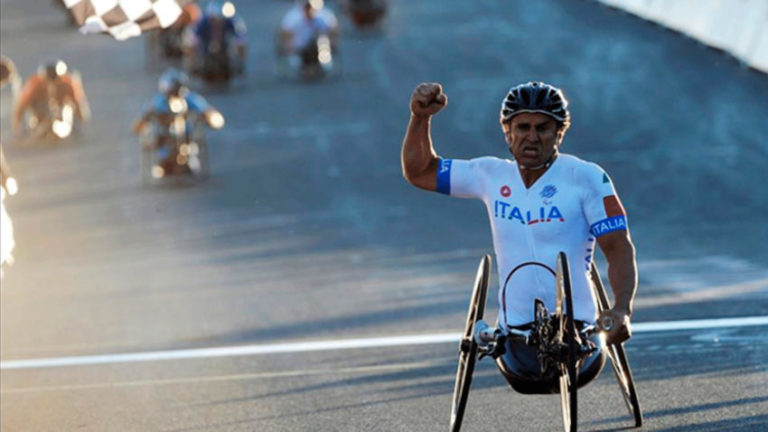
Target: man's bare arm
83,108
622,274
418,157
141,123
23,102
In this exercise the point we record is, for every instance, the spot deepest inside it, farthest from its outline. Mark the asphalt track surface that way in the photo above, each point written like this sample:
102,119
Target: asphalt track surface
306,232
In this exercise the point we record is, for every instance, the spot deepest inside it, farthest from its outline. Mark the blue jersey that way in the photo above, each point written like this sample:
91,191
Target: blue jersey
195,104
233,28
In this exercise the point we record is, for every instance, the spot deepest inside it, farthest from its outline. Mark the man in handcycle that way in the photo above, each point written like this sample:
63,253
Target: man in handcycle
539,203
174,101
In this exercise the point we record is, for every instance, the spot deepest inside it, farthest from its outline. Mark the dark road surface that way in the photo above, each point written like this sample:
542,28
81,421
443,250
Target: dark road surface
307,231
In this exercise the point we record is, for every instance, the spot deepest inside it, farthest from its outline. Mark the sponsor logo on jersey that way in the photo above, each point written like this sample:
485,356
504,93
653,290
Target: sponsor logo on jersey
549,191
505,191
549,213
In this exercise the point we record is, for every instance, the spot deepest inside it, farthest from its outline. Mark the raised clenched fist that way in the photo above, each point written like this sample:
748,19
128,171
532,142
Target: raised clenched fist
428,99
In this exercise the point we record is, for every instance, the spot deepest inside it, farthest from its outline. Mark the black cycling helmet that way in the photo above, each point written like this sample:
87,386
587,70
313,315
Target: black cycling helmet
52,69
535,97
172,82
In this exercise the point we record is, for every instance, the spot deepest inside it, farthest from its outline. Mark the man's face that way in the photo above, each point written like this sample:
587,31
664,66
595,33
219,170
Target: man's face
532,138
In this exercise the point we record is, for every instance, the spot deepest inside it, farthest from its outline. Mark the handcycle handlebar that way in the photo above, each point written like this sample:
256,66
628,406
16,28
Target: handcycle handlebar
485,333
606,324
491,339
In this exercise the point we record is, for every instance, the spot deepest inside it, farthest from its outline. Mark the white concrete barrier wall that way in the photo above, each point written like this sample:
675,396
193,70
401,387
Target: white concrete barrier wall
760,57
739,27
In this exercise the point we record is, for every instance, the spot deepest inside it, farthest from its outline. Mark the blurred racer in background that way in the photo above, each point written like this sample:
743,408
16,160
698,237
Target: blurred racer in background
7,181
52,95
190,14
217,43
8,184
170,41
301,28
9,75
174,102
366,13
7,242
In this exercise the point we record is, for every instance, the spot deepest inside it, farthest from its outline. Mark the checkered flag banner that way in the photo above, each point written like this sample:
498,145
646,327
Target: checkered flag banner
124,18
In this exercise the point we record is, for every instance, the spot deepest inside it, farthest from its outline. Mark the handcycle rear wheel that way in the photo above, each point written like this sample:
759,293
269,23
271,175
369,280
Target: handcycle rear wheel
566,334
468,346
618,355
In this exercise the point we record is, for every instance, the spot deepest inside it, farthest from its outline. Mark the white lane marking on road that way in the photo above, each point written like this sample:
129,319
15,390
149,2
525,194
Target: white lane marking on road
329,345
359,370
699,324
700,295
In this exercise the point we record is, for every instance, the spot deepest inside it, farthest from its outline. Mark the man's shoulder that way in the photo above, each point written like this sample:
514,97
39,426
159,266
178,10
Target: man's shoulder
292,17
487,165
491,162
580,167
34,81
586,174
327,15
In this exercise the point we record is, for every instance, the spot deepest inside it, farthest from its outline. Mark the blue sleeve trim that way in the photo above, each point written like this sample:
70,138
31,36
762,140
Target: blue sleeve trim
196,103
608,225
160,103
444,176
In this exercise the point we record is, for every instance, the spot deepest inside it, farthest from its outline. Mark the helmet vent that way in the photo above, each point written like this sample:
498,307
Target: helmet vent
535,97
526,97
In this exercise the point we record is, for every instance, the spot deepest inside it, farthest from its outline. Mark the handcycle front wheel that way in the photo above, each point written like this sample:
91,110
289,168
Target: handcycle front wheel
566,328
468,346
618,354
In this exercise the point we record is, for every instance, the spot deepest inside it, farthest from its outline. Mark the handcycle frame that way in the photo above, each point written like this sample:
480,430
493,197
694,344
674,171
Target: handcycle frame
552,334
56,124
186,144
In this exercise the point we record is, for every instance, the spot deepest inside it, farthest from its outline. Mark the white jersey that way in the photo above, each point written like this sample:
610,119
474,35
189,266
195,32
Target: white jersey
304,30
568,207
